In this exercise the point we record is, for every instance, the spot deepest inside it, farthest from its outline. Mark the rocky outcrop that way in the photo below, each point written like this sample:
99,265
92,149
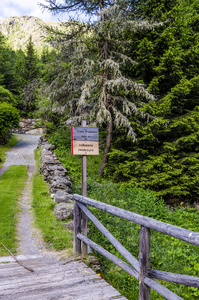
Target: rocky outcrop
59,182
29,126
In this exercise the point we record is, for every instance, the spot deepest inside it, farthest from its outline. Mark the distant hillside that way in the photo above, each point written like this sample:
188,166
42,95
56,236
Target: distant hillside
19,29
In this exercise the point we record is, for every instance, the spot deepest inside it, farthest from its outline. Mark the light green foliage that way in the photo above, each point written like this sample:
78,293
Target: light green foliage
11,185
81,71
167,253
9,118
6,96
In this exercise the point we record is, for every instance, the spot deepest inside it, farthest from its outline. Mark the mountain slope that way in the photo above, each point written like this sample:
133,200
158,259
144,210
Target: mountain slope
18,30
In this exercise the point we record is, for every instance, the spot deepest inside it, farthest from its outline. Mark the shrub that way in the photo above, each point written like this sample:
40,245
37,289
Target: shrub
6,96
9,118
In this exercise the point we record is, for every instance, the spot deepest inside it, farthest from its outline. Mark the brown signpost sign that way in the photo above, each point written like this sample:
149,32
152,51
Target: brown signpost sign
84,141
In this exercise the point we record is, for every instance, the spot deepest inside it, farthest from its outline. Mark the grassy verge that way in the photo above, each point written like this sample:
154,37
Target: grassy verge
12,183
3,148
53,231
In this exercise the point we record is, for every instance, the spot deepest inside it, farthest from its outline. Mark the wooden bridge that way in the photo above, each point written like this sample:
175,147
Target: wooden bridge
53,280
73,280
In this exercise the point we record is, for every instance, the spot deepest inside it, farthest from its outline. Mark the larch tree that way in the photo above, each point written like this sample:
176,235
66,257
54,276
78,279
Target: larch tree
93,55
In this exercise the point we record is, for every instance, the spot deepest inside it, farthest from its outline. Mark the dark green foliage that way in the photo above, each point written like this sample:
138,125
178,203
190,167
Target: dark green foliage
164,159
12,76
9,118
167,253
60,137
165,155
20,67
31,70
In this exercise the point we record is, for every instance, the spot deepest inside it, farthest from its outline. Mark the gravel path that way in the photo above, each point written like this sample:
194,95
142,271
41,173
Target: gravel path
31,244
30,240
23,152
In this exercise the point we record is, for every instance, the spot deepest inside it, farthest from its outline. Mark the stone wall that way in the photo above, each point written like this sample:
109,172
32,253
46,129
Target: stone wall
59,182
29,126
60,188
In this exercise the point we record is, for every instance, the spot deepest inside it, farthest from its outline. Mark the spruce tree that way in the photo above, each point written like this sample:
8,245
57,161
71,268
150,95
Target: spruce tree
31,70
165,158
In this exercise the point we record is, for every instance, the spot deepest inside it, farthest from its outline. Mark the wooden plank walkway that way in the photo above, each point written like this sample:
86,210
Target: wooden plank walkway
53,280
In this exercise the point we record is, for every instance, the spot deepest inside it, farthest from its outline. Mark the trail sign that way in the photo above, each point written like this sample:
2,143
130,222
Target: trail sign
84,134
84,141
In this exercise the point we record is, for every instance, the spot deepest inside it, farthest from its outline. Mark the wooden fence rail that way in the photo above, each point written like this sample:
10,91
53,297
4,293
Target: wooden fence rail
140,270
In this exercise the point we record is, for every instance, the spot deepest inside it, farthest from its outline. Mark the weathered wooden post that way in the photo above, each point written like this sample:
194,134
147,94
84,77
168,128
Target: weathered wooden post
77,229
84,193
144,262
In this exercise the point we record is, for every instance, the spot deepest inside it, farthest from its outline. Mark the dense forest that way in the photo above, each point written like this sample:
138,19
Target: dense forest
131,70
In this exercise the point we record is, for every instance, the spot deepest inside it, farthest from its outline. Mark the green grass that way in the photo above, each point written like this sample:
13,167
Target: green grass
3,148
12,183
53,231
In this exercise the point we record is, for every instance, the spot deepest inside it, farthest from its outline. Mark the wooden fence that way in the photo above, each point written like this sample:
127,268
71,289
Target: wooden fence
140,270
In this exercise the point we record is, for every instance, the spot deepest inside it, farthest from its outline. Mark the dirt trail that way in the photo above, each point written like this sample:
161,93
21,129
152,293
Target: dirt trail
30,240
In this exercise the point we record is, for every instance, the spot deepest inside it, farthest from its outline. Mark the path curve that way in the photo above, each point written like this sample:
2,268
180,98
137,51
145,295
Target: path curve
23,152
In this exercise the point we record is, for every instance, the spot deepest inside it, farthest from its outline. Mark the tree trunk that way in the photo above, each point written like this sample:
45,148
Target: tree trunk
109,123
107,148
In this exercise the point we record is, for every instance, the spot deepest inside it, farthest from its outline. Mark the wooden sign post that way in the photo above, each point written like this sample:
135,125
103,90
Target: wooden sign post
84,193
84,141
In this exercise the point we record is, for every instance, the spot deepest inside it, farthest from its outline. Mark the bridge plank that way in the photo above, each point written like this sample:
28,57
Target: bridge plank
53,280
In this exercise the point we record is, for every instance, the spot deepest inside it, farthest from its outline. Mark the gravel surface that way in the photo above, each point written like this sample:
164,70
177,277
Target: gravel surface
30,240
23,152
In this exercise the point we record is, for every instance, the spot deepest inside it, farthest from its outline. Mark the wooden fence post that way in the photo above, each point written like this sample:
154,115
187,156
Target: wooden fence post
144,262
77,229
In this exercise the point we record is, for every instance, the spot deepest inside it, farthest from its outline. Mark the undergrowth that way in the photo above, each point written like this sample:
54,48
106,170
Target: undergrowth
12,182
167,253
